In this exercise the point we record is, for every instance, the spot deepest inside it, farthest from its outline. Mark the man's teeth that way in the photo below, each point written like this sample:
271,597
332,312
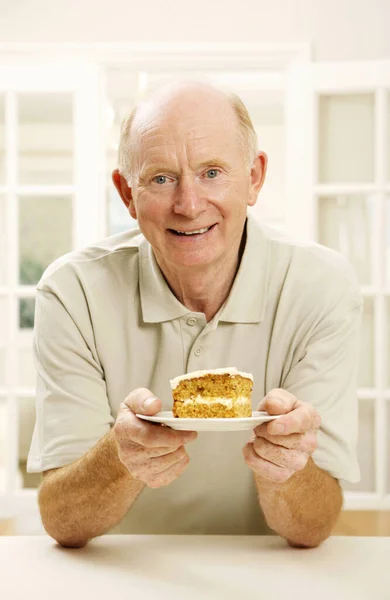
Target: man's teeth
195,231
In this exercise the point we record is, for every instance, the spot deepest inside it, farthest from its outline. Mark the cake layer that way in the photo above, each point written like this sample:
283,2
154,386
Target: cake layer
211,408
213,386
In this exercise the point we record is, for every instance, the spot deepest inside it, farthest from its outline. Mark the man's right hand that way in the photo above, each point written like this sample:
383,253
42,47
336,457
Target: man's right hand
152,453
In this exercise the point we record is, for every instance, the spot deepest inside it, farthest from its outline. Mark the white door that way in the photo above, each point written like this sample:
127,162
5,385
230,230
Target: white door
49,204
340,197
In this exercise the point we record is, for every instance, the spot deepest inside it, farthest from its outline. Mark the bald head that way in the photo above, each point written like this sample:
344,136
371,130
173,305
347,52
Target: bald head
170,104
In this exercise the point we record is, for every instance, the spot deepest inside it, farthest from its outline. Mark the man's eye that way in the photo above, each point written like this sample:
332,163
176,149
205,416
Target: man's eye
159,179
212,173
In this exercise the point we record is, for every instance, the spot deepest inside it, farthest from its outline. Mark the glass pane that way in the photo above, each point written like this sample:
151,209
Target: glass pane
26,428
45,233
26,313
45,138
2,140
366,449
366,373
345,223
26,369
3,242
346,138
3,443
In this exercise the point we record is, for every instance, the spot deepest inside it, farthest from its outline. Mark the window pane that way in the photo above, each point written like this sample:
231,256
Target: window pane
26,313
2,140
366,373
45,139
3,443
345,223
3,242
45,233
346,138
366,449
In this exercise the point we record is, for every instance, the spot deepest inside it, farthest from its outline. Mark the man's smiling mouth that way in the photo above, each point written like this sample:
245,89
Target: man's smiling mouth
193,232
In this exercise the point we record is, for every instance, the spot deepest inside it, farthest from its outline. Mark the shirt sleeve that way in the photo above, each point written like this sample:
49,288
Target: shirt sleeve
72,408
326,377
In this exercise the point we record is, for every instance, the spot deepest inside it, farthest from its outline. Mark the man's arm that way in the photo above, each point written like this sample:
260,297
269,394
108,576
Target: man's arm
300,501
86,498
300,495
305,508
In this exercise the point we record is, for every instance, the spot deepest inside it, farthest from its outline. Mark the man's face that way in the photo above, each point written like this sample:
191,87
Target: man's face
190,176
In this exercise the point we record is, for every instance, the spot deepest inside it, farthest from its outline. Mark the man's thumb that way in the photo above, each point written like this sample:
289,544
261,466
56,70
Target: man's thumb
143,402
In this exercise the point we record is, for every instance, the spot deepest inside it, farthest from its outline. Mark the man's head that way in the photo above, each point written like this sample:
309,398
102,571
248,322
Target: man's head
187,162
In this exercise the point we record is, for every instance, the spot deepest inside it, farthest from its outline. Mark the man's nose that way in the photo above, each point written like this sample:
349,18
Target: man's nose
189,199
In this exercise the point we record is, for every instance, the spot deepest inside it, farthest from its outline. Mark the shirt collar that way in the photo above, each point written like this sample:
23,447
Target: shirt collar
247,299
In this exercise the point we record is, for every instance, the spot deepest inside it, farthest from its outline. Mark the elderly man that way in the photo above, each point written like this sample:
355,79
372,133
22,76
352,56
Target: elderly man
199,286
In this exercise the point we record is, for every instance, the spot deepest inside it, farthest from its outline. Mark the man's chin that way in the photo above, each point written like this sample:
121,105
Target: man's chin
193,261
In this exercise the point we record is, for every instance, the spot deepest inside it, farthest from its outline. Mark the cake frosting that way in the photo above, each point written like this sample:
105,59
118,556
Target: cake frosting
232,371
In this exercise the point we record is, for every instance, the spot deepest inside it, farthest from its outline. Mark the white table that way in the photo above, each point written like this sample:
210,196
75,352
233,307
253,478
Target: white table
189,567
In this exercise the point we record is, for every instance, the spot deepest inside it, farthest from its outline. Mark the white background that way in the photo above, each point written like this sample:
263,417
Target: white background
337,29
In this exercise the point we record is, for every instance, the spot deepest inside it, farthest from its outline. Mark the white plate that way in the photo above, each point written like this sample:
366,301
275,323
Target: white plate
166,418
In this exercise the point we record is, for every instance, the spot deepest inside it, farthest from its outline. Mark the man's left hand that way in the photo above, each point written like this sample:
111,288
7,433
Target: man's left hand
283,446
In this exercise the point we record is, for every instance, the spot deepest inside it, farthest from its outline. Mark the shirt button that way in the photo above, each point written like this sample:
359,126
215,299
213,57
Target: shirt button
198,352
191,321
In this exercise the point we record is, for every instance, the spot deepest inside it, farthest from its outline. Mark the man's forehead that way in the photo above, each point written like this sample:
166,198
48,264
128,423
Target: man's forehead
192,134
194,146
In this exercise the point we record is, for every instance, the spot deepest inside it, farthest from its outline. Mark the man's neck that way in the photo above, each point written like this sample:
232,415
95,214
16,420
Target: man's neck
205,290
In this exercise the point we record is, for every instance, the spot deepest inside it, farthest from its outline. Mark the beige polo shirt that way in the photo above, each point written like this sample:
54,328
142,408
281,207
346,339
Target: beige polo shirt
107,323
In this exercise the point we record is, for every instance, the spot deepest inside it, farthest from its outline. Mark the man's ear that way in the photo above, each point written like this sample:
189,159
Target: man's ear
258,173
124,192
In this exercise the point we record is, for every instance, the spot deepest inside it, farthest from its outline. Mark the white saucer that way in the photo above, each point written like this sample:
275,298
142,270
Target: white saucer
166,418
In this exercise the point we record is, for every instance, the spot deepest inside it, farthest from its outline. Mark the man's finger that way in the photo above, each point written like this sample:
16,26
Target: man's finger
280,456
306,442
154,466
139,454
170,474
302,419
278,402
142,401
264,468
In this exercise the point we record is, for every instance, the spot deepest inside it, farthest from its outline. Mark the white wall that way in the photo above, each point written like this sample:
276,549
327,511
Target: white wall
338,29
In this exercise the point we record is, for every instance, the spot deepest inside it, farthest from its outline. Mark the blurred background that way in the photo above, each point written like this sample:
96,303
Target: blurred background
315,77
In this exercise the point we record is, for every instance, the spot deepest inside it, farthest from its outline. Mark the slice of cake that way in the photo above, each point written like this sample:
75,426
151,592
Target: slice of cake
216,393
